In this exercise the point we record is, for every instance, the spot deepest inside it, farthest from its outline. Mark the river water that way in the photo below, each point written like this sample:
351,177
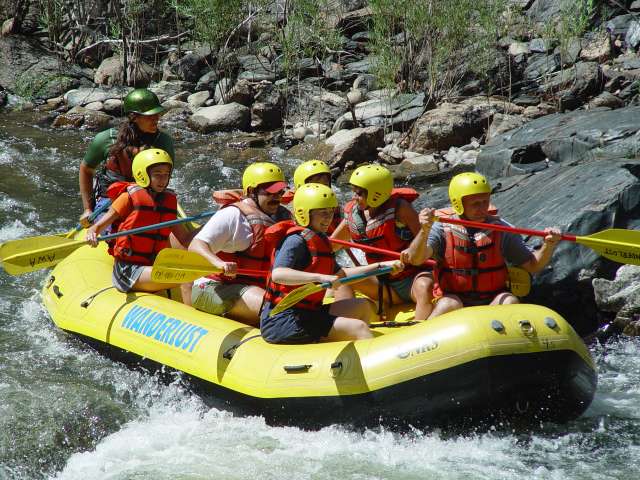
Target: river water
67,412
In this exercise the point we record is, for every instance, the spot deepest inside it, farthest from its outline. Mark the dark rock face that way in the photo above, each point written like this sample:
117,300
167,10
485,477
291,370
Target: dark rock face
562,138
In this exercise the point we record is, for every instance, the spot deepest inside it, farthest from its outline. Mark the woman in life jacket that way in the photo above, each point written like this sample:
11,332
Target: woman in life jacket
113,150
380,217
472,263
146,202
317,171
305,256
236,237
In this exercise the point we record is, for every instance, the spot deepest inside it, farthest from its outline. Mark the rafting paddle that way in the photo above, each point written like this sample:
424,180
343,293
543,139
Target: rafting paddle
304,291
519,278
34,253
173,265
102,208
617,244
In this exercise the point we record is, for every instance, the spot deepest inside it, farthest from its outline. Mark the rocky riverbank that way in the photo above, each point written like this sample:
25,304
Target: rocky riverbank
555,126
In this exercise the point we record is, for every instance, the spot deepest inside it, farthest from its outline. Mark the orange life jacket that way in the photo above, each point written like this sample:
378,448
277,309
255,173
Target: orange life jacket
258,255
382,231
142,248
472,265
322,261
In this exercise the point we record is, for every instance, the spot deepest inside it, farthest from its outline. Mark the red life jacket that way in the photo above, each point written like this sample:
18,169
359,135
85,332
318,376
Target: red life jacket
142,248
472,265
120,164
322,261
382,231
258,255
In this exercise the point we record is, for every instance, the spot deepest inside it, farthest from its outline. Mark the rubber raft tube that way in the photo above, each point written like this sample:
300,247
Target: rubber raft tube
521,362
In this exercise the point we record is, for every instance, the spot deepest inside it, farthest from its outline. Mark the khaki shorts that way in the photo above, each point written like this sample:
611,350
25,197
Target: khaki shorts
215,297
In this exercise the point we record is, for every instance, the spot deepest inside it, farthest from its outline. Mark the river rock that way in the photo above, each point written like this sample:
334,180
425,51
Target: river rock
454,124
81,117
574,85
596,47
561,137
84,96
198,99
622,297
268,108
354,147
167,89
110,73
231,116
397,112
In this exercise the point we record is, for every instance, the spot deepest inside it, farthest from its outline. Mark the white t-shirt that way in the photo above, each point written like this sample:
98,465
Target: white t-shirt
227,231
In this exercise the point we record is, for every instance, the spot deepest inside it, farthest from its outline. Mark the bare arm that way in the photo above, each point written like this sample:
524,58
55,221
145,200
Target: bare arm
290,276
201,247
419,251
106,220
542,256
85,178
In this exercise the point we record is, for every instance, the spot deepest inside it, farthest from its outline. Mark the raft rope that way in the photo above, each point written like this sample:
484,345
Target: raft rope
90,299
231,351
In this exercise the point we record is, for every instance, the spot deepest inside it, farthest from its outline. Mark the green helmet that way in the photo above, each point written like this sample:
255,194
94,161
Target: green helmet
465,184
311,196
309,169
376,180
142,102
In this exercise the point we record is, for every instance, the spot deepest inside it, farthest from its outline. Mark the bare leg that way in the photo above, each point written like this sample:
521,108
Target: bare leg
422,294
448,303
247,307
505,298
352,320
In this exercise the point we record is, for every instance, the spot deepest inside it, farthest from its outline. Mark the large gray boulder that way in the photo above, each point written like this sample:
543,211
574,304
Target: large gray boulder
231,116
622,297
454,124
562,137
352,147
395,112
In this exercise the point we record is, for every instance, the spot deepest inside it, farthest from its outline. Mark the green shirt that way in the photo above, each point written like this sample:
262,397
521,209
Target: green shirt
98,150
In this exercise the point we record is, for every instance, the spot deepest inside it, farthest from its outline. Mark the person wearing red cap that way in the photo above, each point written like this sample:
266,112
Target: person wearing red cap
235,238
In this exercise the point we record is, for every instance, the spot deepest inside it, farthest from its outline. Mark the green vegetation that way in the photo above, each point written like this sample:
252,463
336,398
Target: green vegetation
424,45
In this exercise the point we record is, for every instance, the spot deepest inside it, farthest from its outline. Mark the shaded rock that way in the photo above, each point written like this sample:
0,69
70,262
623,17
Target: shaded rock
518,48
352,21
84,96
569,52
632,38
354,147
396,112
167,89
502,123
188,68
561,137
31,72
267,109
222,89
241,92
232,116
622,297
207,81
113,106
81,117
574,85
314,104
606,99
618,26
256,69
198,99
110,73
541,45
419,165
596,48
540,65
454,124
547,11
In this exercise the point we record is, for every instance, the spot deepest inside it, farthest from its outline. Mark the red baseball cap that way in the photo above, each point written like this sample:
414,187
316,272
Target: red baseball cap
274,187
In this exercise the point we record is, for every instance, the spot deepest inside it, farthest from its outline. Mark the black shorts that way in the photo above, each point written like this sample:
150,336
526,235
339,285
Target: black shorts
297,325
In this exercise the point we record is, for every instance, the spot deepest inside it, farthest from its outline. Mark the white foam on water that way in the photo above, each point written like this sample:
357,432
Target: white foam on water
14,230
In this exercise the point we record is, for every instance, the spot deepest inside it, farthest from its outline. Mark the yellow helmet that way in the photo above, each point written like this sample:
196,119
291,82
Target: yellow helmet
376,180
145,159
311,196
262,172
308,169
465,184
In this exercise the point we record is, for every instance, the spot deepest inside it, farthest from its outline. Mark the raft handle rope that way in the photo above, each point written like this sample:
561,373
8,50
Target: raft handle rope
393,324
231,351
90,299
297,368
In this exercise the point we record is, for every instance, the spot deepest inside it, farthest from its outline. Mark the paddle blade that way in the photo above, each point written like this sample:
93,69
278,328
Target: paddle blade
294,296
173,265
519,281
34,253
617,244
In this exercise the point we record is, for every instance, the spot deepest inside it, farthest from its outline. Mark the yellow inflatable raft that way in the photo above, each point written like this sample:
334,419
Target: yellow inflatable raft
514,361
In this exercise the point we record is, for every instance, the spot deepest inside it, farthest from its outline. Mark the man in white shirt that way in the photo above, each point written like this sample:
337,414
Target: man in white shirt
234,238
